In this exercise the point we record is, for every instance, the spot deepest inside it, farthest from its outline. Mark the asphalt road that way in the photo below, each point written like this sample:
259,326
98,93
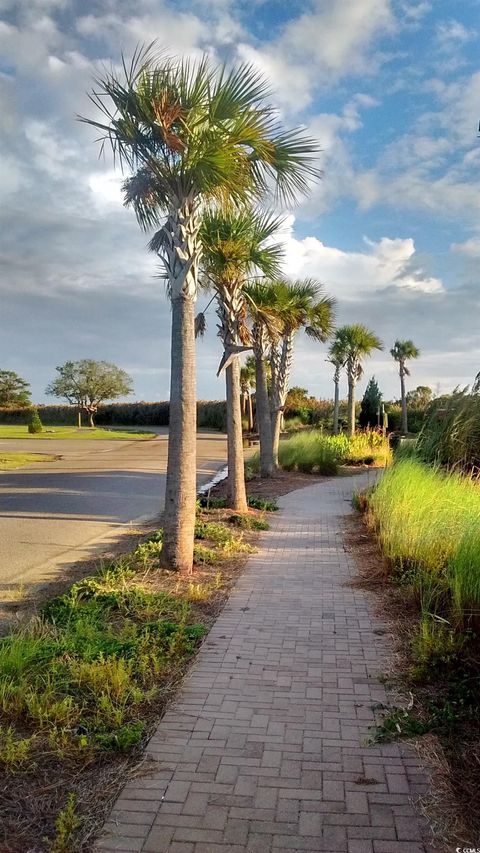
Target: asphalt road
56,513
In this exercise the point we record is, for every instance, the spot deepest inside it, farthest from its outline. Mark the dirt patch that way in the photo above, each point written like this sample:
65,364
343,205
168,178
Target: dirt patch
451,752
271,487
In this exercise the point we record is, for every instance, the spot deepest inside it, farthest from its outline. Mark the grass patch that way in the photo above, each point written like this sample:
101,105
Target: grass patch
10,461
65,432
83,681
427,522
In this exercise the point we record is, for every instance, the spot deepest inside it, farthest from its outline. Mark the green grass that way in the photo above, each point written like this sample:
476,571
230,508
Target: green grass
311,451
10,461
86,678
427,521
64,432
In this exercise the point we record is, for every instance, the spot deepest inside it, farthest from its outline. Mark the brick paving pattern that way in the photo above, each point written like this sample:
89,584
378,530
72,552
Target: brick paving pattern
264,749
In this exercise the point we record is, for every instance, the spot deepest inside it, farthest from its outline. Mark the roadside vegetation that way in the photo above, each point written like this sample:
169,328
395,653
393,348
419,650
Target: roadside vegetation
64,432
10,461
312,452
83,681
426,520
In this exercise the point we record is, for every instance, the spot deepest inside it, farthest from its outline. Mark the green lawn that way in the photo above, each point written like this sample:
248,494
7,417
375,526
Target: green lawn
8,461
72,432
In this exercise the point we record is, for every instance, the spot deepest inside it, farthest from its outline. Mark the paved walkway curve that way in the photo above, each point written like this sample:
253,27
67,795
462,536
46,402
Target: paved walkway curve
264,749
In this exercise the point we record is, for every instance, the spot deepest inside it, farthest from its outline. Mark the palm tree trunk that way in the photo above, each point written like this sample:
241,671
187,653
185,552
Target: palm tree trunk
351,405
180,490
404,403
237,496
279,391
181,256
336,403
250,412
262,406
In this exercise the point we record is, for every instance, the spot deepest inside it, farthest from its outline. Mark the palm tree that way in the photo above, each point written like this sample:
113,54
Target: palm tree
337,357
403,351
357,342
190,133
236,243
300,304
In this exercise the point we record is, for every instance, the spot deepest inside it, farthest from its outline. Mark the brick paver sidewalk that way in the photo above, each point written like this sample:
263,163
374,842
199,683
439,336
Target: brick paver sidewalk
264,749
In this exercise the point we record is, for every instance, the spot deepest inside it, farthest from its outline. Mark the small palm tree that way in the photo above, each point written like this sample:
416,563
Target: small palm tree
190,133
337,357
357,342
403,351
300,304
236,243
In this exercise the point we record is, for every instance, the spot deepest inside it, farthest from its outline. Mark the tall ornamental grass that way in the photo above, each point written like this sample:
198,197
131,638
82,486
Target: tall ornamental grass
451,433
312,452
428,523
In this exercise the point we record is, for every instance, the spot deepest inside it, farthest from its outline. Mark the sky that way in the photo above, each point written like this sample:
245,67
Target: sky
389,88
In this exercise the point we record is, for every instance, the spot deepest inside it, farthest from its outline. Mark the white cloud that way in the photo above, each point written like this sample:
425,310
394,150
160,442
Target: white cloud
322,47
452,33
390,262
470,247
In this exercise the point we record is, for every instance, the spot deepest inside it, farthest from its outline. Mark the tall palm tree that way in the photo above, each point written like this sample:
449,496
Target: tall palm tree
357,342
262,308
300,304
190,133
403,351
236,244
337,357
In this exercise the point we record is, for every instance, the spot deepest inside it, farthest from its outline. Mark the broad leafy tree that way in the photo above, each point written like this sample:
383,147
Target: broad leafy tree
236,244
87,383
420,397
190,133
358,343
403,351
14,391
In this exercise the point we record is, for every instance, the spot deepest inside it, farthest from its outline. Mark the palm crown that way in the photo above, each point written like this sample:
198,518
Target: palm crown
403,351
357,342
299,304
188,129
236,243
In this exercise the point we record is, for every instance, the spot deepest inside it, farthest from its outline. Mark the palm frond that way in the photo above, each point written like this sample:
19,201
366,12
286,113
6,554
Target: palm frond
200,325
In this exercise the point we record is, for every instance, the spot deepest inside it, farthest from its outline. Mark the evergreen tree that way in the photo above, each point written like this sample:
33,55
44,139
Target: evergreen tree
371,403
35,426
